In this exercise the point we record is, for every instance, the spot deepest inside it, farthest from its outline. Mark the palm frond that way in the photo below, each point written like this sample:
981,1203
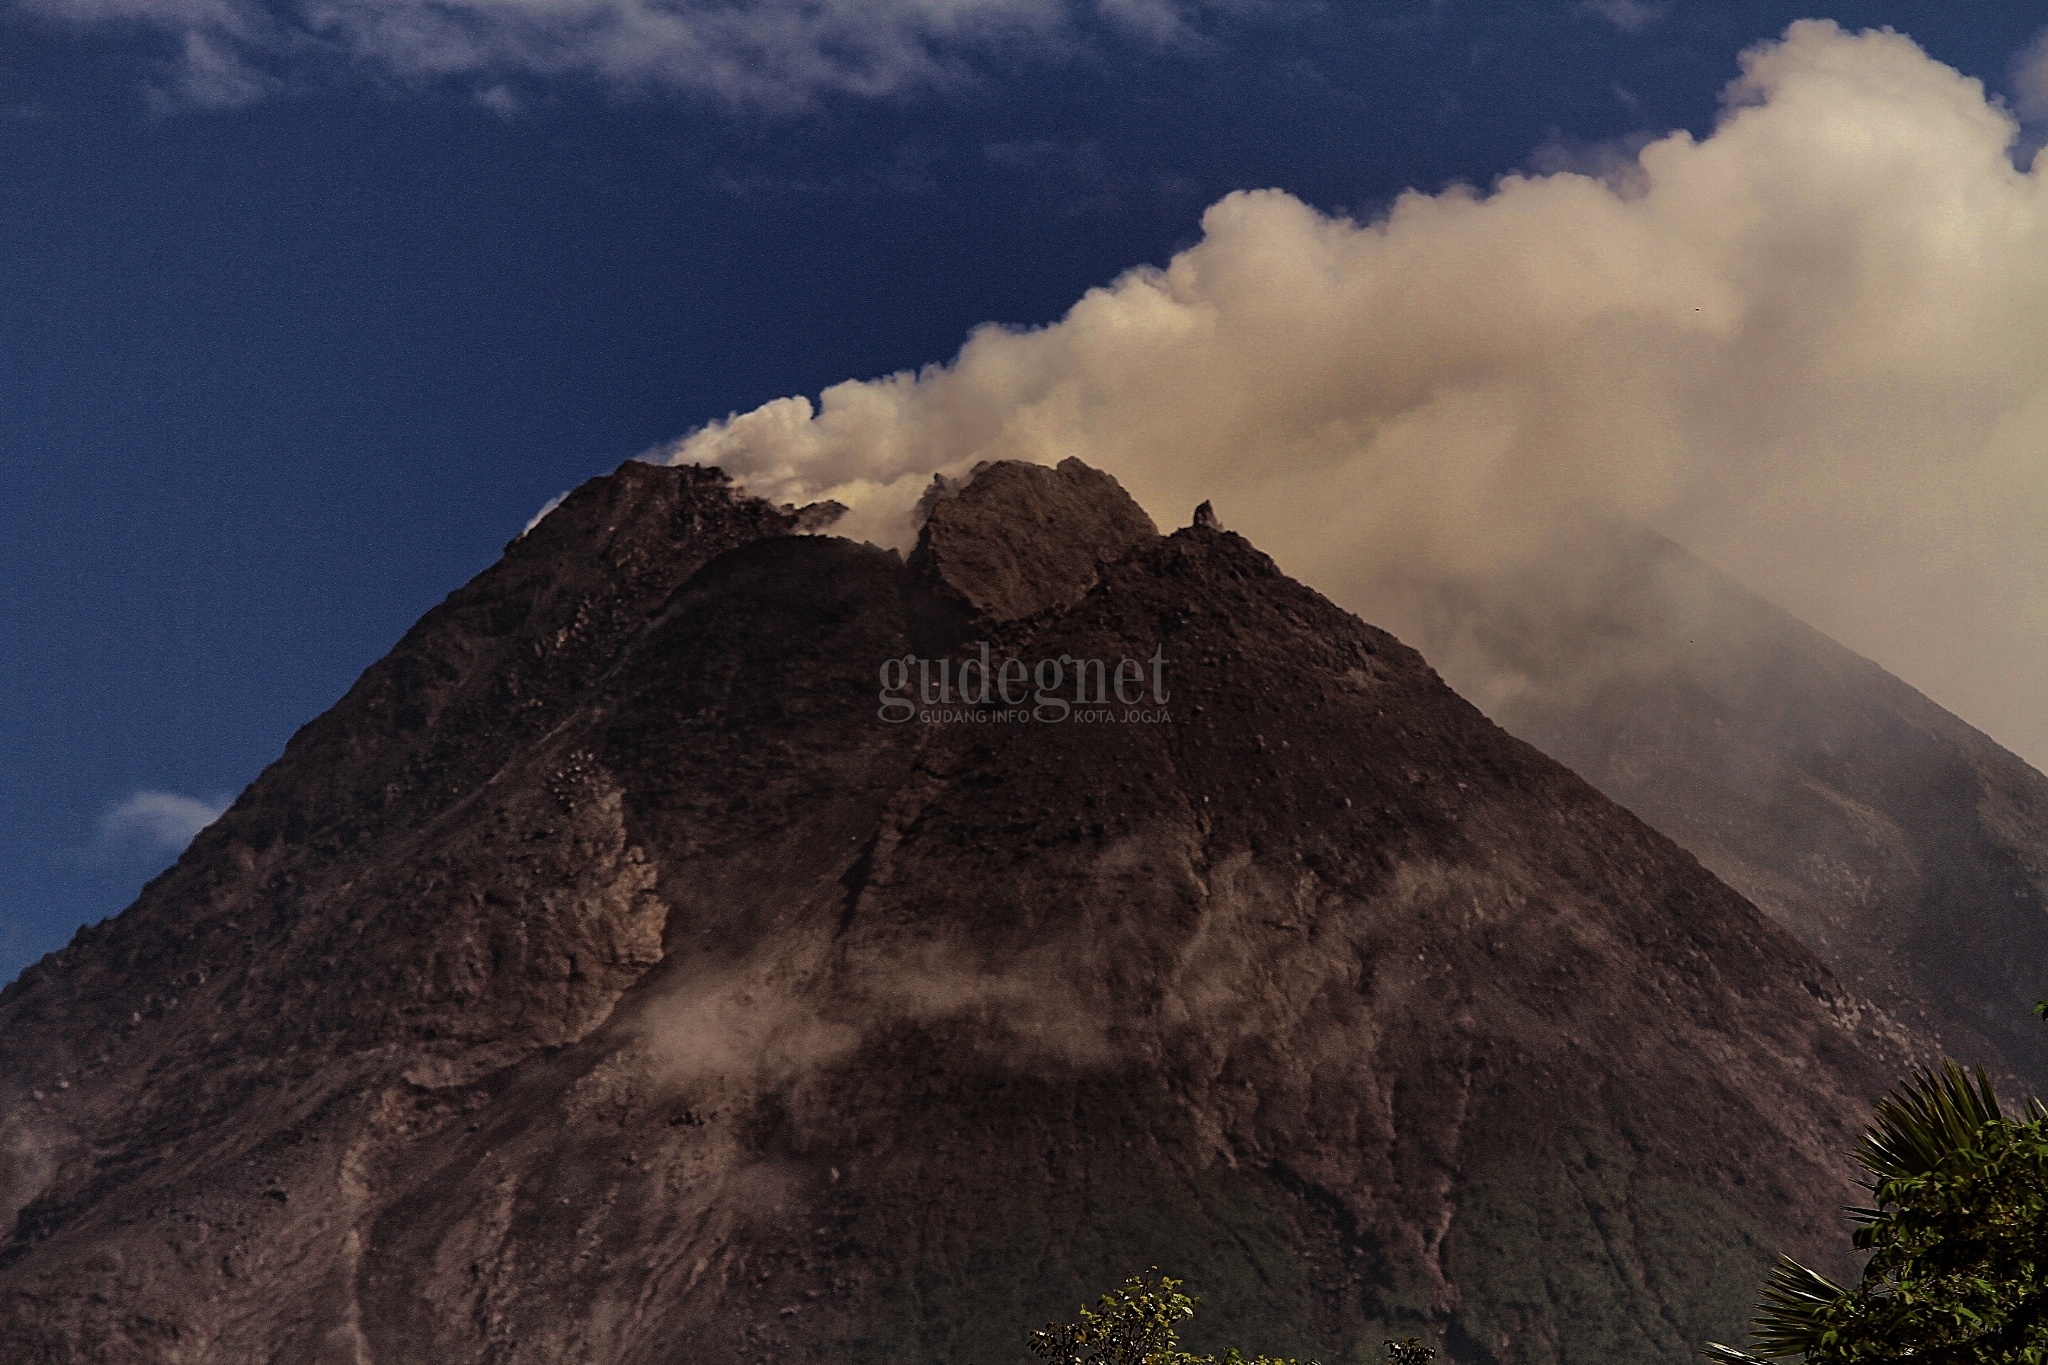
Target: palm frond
1793,1313
1728,1355
1927,1119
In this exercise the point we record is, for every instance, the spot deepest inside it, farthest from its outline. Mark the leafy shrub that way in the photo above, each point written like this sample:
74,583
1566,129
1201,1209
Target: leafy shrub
1134,1323
1957,1236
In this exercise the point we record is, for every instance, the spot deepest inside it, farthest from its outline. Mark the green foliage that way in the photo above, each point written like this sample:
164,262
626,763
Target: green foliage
1409,1352
1013,1244
1539,1232
1134,1323
1958,1242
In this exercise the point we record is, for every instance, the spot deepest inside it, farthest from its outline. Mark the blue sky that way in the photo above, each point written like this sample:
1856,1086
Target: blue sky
304,311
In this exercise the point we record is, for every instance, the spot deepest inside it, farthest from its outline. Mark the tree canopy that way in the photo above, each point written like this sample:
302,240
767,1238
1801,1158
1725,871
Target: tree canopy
1957,1235
1134,1324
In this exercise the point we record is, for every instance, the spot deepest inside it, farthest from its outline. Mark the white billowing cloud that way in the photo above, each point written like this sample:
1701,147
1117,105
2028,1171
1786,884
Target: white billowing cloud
1813,346
757,53
157,822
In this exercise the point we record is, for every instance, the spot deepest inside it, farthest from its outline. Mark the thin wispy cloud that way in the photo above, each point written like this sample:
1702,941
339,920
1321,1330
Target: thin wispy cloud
155,822
760,54
1630,16
2030,79
542,515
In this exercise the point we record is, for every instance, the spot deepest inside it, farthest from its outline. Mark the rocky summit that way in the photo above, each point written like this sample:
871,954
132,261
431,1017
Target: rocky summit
706,939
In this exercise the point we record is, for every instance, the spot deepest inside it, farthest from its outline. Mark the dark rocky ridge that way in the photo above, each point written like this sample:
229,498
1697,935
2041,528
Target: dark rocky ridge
602,981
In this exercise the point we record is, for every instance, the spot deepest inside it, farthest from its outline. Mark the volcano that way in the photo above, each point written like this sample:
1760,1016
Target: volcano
1904,846
616,974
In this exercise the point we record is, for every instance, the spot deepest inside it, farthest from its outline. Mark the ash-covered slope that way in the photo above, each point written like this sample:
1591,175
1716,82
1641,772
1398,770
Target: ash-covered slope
604,980
1906,848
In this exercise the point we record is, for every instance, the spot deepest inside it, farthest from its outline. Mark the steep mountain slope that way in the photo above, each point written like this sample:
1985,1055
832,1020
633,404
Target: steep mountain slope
604,979
1908,850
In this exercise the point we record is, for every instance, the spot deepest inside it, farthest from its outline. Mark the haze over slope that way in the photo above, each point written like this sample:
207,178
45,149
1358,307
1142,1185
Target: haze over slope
603,979
1904,847
1813,345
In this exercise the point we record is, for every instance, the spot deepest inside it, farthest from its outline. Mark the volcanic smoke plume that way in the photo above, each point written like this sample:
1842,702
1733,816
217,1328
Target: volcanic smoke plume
1810,347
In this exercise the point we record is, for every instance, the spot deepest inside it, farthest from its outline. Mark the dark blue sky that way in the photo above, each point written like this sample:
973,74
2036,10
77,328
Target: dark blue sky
275,377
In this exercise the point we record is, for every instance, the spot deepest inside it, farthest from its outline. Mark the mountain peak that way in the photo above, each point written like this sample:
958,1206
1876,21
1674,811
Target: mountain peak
616,975
1014,539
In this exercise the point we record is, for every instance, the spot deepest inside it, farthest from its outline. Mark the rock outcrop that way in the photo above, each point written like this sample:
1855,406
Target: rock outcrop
1029,539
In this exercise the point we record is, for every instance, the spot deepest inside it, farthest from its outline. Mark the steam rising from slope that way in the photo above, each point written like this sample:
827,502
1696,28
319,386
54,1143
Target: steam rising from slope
1813,346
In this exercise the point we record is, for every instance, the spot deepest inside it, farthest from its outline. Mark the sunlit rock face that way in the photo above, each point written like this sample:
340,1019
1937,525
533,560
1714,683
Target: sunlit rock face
619,974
